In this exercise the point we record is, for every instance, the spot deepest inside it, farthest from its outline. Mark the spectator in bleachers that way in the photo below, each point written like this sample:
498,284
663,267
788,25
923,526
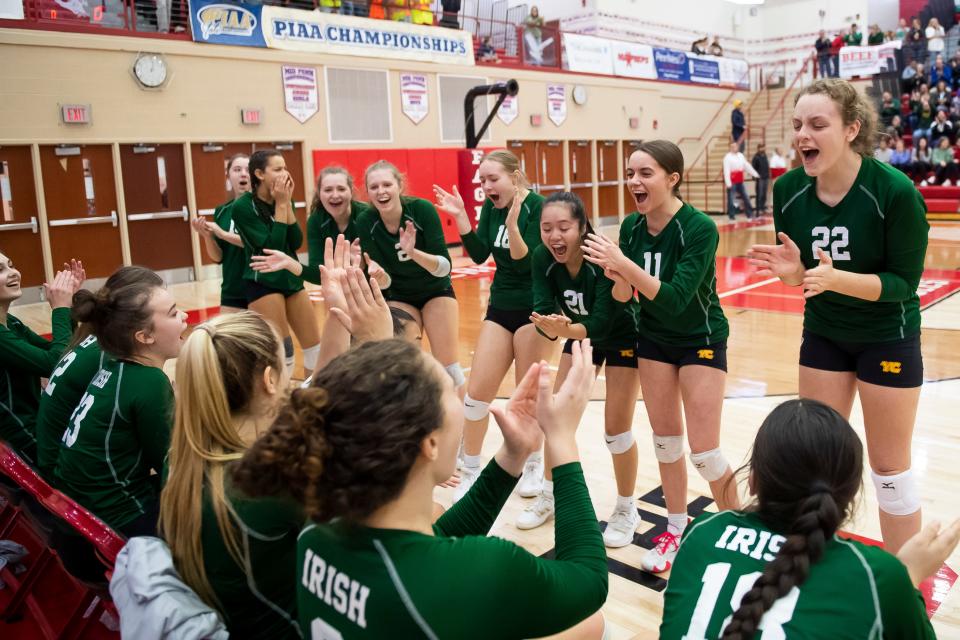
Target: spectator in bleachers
941,95
895,128
902,30
778,164
359,8
883,152
854,38
823,54
874,35
941,127
699,47
738,124
935,40
715,48
954,65
889,107
918,80
533,35
907,75
835,47
923,161
916,42
924,119
328,6
762,166
940,71
486,52
903,157
944,164
451,14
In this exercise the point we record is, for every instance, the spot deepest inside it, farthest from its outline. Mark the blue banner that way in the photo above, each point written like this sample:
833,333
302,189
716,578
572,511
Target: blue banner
671,65
221,23
704,71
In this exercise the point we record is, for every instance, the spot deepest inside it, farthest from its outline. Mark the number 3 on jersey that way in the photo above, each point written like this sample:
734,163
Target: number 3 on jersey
70,435
503,238
837,249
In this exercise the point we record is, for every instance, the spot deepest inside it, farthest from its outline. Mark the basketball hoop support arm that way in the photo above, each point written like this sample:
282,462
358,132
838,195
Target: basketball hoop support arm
501,89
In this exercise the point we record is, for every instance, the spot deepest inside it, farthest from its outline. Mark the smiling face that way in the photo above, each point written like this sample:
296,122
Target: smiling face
9,280
383,189
650,185
497,184
239,175
164,335
819,133
335,193
560,232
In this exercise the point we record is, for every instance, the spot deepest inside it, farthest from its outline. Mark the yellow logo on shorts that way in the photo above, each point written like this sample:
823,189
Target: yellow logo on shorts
891,367
626,353
705,354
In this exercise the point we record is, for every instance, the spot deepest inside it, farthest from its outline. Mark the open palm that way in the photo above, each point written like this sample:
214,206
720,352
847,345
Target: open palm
778,260
518,420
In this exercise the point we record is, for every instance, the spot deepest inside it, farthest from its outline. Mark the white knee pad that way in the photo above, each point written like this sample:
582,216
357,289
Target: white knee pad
455,371
711,464
475,409
310,357
667,448
897,494
619,443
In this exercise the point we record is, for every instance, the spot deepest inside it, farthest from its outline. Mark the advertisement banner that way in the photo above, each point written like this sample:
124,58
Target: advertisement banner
734,72
587,54
11,9
671,65
866,61
704,70
300,93
509,110
221,23
632,60
315,32
556,103
414,97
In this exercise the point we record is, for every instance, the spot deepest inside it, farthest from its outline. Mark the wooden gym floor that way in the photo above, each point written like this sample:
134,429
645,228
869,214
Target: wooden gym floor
765,325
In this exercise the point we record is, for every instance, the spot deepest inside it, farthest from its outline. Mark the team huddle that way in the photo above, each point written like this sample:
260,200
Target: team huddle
310,513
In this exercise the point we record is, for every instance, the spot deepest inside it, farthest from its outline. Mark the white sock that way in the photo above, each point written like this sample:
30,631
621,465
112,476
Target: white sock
548,488
471,461
676,523
624,503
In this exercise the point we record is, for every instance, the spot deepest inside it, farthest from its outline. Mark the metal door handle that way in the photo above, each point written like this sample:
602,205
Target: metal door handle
183,214
69,222
22,226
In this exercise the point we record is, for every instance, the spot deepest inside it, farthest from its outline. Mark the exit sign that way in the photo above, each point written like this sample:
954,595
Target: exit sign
75,113
251,116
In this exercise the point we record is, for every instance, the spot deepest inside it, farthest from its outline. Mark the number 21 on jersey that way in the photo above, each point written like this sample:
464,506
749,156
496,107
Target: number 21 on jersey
574,300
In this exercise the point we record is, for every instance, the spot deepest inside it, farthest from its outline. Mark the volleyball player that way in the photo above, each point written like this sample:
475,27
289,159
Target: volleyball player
667,254
25,357
852,232
113,449
779,569
362,450
237,554
509,229
563,279
76,368
404,236
222,242
265,220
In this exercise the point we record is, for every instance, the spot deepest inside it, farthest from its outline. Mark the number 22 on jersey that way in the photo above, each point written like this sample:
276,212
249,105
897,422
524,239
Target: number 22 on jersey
833,241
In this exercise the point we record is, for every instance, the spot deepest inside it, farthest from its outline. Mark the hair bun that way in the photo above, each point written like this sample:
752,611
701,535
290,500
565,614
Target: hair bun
85,306
819,486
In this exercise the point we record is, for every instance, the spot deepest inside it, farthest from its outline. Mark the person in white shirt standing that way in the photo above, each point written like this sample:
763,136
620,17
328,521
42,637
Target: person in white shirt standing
735,165
778,164
935,40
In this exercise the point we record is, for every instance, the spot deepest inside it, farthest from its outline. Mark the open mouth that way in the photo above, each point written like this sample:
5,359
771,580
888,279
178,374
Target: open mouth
243,184
335,203
640,196
383,199
809,155
13,284
559,250
494,197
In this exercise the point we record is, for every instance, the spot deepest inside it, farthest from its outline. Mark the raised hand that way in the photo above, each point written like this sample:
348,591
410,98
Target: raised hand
820,278
451,203
282,188
552,325
374,270
333,271
75,267
513,215
518,421
201,226
926,551
274,260
777,260
59,293
367,316
408,238
603,252
559,413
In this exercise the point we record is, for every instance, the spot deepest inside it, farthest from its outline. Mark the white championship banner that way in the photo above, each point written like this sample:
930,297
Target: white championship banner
587,54
316,32
866,61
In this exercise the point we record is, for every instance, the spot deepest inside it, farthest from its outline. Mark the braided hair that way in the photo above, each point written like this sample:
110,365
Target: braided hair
806,470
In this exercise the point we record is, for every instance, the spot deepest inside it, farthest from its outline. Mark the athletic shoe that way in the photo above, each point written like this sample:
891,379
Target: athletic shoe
947,183
923,183
531,482
537,513
468,475
620,527
660,558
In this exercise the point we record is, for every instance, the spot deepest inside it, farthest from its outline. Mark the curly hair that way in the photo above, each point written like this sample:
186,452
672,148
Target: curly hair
853,107
345,446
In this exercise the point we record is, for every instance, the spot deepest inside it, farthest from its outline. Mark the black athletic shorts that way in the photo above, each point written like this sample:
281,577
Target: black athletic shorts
511,319
420,302
612,357
236,303
255,291
714,355
888,364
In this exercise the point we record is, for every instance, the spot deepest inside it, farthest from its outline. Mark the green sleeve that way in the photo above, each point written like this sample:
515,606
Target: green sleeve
597,323
700,252
544,302
433,241
255,233
294,236
531,233
31,354
905,246
475,242
153,420
474,514
901,604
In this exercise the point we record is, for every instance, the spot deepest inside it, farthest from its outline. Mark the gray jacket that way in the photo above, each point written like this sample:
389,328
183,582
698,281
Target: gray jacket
152,600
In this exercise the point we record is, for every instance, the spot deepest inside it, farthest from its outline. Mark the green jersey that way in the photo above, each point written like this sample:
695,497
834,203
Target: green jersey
26,357
117,434
320,226
232,263
683,256
360,582
585,298
254,221
511,289
854,591
257,600
879,227
66,386
410,281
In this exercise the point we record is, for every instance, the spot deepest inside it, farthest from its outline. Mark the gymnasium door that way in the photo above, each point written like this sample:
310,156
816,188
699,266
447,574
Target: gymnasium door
19,221
210,177
550,166
608,183
155,193
81,198
293,155
581,172
526,152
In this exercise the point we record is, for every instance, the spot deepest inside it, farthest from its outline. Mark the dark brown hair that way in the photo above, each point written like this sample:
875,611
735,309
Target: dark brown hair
668,156
259,160
118,310
316,204
345,446
806,468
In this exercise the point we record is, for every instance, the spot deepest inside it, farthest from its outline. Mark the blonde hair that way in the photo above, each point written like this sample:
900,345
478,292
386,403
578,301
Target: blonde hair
853,107
315,204
510,163
389,166
216,374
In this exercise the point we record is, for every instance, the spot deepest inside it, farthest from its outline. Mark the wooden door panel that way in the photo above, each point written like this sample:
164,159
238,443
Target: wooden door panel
18,209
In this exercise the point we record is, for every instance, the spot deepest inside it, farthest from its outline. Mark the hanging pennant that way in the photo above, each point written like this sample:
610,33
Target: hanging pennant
557,103
509,110
300,92
414,97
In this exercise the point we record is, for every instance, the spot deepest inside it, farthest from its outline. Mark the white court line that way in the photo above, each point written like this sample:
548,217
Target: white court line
748,287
